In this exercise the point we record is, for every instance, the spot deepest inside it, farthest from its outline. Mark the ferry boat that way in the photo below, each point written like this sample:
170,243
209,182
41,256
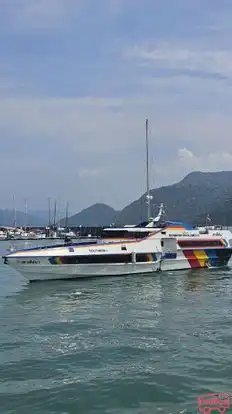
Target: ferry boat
173,247
93,259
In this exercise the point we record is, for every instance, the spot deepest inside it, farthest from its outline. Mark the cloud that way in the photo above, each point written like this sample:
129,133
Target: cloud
185,154
109,126
88,172
32,15
64,147
46,16
79,78
104,126
208,162
186,58
88,124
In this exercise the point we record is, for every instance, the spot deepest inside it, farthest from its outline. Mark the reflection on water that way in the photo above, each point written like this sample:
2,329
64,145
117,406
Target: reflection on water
194,281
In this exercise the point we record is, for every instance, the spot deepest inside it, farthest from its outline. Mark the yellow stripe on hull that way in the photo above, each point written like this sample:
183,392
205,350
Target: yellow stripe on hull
201,256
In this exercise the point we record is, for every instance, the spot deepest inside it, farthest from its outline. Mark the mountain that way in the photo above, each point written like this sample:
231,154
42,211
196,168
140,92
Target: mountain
191,199
221,213
96,215
7,219
43,214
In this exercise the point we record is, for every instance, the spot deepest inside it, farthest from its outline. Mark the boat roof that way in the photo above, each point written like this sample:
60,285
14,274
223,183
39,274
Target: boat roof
128,229
179,225
146,226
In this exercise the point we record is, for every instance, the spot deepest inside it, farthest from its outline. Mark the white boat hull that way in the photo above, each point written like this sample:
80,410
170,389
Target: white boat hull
45,271
49,272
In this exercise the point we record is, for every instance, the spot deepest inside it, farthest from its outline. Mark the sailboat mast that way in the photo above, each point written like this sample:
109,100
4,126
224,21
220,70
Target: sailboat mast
26,211
148,196
14,223
54,220
66,215
49,211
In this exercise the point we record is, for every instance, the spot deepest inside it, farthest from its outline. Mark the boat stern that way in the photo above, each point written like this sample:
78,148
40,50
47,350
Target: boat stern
219,257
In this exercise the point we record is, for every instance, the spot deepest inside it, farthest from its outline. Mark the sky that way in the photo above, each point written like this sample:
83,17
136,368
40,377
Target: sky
78,78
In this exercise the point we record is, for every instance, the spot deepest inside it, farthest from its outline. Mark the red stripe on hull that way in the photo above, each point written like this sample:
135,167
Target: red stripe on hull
193,261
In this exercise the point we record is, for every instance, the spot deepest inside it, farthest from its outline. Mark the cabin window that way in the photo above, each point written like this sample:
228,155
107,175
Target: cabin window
113,234
140,235
200,243
97,259
124,234
145,257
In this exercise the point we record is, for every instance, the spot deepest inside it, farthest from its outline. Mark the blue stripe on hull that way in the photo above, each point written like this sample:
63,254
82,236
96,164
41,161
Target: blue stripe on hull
218,257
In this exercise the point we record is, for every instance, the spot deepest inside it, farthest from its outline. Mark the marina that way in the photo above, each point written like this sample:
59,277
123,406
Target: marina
149,247
44,232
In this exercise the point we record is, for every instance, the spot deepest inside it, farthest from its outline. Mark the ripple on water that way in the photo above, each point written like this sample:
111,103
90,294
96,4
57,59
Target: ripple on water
141,345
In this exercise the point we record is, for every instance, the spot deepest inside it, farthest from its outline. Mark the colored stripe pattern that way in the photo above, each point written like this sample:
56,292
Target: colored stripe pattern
170,255
205,257
57,260
197,258
178,225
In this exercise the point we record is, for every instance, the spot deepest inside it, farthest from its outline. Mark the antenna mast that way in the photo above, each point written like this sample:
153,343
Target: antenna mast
148,196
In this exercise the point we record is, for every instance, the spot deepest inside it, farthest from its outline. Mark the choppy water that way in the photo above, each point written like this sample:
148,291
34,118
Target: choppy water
141,345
